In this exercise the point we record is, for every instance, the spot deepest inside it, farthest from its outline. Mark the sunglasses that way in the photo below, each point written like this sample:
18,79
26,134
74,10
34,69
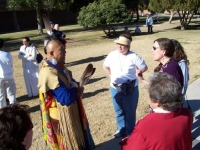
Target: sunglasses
154,48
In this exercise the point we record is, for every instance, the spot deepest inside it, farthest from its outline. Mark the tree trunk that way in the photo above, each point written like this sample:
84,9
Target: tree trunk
172,15
138,17
185,18
48,13
39,21
109,30
183,26
16,26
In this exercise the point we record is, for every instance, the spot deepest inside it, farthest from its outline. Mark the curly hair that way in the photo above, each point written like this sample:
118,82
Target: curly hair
165,90
15,122
179,53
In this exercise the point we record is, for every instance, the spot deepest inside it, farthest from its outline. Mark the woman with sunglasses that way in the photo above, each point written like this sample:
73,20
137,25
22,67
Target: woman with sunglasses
163,50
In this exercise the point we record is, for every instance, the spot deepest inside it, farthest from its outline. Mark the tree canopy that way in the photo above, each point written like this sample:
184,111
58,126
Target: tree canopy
38,5
103,13
185,8
160,5
143,4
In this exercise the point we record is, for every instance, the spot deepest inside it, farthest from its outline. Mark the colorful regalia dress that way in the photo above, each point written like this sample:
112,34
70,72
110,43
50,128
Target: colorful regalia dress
65,125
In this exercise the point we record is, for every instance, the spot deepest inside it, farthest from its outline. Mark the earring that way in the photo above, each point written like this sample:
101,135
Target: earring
54,61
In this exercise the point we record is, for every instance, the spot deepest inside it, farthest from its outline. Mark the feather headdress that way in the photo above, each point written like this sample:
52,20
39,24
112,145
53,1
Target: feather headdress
47,24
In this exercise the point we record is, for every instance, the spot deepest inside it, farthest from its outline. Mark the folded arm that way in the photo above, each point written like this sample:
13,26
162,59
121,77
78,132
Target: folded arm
65,95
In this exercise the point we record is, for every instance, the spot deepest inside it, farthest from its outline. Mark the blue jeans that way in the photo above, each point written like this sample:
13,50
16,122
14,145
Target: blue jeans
125,109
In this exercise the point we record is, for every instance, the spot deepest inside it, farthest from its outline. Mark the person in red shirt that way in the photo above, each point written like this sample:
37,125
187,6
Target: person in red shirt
168,126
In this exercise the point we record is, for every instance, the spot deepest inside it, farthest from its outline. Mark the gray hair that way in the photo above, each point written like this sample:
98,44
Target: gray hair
165,90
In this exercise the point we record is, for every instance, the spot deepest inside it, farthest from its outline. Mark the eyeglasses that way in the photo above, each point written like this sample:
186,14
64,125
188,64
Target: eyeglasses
154,48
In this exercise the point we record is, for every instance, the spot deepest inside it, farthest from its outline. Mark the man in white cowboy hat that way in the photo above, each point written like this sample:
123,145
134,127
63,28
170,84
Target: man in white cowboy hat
120,65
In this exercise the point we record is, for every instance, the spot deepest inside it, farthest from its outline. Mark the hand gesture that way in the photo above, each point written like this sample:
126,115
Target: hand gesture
139,74
80,90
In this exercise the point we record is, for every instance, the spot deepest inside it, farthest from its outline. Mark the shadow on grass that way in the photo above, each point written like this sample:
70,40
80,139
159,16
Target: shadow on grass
90,94
190,27
15,45
112,144
87,60
24,98
95,80
24,35
34,109
83,29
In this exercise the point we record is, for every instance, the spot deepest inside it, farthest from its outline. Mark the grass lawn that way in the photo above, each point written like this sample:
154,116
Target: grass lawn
91,46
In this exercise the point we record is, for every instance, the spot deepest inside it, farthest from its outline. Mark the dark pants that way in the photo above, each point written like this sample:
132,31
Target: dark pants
150,29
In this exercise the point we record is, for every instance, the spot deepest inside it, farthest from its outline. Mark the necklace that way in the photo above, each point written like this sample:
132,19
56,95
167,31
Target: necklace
165,65
122,60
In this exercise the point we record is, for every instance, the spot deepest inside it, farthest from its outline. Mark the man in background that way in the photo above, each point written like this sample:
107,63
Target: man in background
7,83
149,23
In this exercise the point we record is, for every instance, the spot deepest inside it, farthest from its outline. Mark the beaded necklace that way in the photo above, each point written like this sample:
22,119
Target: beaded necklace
165,65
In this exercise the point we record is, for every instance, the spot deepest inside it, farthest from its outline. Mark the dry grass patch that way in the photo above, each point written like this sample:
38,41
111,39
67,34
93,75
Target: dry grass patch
90,47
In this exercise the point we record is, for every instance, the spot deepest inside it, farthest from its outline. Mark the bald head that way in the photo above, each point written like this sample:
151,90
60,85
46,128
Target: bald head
52,45
55,50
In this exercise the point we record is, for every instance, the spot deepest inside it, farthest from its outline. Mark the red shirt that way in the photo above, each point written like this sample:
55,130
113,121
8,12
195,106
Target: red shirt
162,131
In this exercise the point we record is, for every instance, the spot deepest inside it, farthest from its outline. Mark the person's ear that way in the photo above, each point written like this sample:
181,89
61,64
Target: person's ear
164,51
51,53
158,104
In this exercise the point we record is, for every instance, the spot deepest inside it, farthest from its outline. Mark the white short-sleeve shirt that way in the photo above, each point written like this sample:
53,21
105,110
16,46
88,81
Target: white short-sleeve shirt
122,67
6,65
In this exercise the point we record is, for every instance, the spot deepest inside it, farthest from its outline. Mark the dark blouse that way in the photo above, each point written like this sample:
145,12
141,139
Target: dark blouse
173,69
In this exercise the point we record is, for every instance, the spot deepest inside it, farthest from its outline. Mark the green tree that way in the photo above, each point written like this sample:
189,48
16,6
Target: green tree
37,5
184,8
76,5
103,13
143,4
133,6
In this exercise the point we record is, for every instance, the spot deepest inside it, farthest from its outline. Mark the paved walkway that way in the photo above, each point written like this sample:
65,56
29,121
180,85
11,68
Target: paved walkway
193,96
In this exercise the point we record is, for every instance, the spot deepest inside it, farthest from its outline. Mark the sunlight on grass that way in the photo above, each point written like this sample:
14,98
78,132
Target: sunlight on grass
91,46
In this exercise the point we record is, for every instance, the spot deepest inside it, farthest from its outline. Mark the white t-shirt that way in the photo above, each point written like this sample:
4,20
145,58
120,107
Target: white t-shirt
6,65
122,67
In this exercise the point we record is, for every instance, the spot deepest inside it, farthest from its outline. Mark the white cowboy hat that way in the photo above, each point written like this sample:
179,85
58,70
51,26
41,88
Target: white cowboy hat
122,40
